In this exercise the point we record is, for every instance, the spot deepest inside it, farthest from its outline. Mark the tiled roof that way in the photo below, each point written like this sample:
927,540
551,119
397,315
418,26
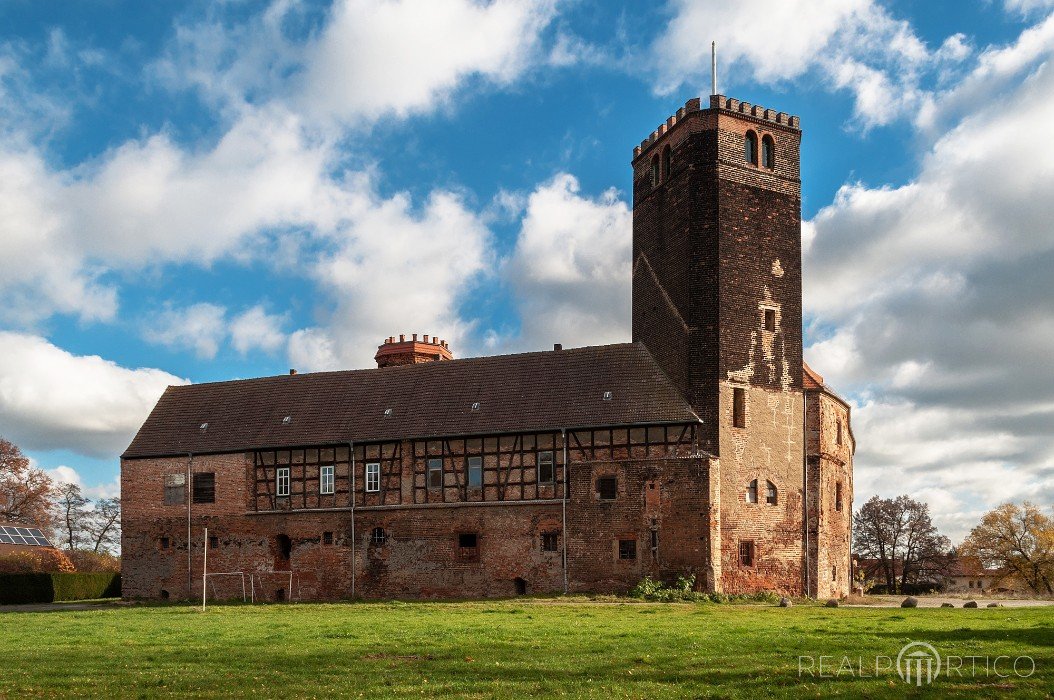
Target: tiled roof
524,392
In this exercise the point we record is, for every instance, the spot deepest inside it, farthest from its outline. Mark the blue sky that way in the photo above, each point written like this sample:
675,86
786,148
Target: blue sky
201,191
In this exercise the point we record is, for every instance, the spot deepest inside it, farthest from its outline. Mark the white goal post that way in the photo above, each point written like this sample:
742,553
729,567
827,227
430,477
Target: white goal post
258,577
240,574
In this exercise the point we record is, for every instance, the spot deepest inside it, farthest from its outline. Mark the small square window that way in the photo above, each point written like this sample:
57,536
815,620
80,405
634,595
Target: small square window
378,536
435,473
550,541
204,488
373,477
770,320
475,472
746,553
327,538
607,487
468,546
546,473
627,549
608,395
739,407
325,479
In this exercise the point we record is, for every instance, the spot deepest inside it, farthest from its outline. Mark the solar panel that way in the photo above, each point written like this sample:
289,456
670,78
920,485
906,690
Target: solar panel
6,539
24,531
19,539
35,532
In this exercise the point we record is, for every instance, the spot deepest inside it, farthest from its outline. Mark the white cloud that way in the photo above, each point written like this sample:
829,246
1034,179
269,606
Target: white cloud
571,267
52,399
63,474
255,329
394,270
855,45
404,56
939,292
200,328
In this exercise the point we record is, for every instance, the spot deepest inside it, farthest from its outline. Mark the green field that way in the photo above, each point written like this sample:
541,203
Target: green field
507,649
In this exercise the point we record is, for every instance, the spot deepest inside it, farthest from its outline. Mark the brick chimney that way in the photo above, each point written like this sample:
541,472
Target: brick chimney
394,353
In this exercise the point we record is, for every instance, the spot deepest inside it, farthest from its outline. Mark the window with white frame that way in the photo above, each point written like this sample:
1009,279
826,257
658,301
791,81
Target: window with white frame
373,477
546,473
325,479
281,481
435,473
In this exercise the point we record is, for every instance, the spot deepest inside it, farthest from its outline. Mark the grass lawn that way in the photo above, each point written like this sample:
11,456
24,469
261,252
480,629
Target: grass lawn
507,649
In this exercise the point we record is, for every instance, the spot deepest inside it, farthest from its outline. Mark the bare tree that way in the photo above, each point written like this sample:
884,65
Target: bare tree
72,516
105,525
1018,539
899,534
26,493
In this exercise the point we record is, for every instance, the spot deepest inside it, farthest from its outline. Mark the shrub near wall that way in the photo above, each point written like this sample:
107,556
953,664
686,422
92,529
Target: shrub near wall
49,588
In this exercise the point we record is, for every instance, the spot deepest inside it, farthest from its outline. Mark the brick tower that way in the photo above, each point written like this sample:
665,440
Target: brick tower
717,301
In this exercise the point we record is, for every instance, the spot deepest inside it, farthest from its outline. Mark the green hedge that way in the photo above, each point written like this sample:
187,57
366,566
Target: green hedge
49,588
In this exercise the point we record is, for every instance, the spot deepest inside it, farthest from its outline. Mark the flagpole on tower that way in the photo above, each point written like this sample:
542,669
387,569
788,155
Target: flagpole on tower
713,67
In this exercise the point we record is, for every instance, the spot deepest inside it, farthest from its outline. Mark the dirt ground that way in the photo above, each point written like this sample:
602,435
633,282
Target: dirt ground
935,601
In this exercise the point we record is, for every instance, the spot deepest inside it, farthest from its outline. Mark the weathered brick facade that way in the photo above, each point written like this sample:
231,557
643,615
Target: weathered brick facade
580,470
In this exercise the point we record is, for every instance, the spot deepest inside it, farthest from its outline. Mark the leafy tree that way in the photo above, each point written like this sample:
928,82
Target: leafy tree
26,493
900,535
1018,539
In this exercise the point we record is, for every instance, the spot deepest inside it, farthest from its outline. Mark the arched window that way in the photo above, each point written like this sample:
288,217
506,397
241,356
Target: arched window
768,152
750,148
666,163
770,493
655,174
752,491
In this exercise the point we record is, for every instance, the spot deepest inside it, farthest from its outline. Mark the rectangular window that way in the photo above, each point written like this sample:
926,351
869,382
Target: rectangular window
204,488
627,549
214,542
165,543
838,496
327,538
746,553
281,482
838,434
546,473
770,320
435,473
468,546
325,479
475,472
607,487
373,477
175,489
739,407
550,541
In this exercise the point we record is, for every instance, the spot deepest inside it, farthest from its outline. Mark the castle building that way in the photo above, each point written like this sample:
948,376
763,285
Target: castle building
705,447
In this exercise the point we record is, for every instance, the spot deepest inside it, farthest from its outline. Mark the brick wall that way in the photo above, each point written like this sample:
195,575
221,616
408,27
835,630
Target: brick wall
830,527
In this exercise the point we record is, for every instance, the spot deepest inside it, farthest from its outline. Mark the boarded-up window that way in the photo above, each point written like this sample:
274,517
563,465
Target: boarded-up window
205,487
739,407
175,489
607,487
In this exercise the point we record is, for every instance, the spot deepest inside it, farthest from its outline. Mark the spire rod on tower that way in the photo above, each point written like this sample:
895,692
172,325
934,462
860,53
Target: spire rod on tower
713,67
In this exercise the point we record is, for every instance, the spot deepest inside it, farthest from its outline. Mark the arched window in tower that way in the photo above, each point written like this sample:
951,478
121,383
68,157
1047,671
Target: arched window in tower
752,491
768,152
655,174
666,162
771,497
750,148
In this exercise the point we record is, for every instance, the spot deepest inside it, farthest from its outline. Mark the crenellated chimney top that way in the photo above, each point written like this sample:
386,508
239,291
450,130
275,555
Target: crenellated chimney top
394,353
